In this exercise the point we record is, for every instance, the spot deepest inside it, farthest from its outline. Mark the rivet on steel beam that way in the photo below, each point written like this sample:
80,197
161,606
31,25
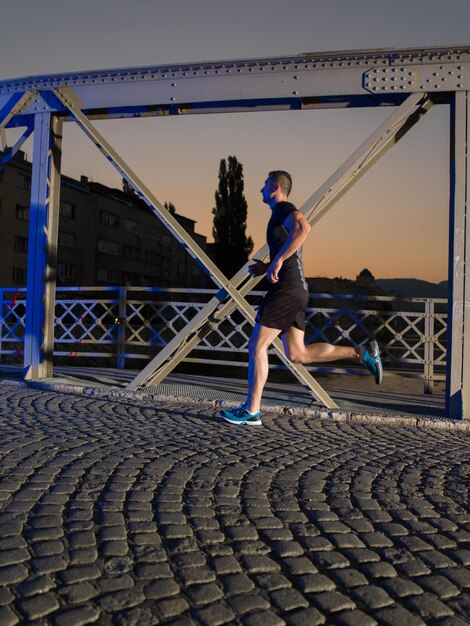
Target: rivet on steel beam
296,93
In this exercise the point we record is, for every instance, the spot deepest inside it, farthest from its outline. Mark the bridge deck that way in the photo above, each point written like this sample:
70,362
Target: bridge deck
398,396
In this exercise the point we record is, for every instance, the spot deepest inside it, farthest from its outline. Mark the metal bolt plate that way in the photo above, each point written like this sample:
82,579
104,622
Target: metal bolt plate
442,77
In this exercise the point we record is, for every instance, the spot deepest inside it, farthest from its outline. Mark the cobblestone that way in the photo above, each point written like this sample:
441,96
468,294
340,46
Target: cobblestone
355,618
151,512
38,606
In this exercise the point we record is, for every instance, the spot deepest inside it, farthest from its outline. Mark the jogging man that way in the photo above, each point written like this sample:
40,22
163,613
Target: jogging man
282,311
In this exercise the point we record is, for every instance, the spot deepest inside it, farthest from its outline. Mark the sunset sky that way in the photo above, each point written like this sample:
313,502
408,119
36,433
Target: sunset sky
394,221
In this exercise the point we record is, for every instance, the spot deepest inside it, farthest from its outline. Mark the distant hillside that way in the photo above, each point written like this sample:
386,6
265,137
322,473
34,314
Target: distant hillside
413,287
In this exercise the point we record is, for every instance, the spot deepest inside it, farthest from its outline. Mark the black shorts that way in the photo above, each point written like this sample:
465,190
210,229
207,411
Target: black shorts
283,306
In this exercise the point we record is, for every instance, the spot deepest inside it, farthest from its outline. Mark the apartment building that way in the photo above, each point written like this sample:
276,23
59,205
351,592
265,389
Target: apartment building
106,236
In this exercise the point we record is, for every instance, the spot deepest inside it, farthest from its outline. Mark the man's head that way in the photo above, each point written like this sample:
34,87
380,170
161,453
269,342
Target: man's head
277,187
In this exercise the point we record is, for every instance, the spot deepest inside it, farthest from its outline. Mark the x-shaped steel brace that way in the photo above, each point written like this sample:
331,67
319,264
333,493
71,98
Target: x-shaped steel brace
69,99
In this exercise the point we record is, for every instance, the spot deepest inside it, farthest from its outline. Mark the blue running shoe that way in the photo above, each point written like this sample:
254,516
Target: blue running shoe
241,416
371,360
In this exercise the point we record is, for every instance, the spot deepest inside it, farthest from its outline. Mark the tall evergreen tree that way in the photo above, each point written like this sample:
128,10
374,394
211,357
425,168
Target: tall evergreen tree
232,246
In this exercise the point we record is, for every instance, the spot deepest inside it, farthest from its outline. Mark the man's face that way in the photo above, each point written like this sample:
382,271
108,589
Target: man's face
267,190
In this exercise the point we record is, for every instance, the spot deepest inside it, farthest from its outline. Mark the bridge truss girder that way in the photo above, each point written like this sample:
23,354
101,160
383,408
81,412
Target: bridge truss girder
410,80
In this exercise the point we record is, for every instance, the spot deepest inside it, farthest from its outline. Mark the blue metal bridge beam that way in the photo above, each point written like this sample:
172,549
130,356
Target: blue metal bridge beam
42,249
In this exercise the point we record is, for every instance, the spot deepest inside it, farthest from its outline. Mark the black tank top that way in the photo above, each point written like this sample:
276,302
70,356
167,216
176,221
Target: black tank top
292,270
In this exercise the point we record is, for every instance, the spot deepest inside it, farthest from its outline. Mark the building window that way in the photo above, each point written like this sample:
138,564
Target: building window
107,275
66,209
152,233
65,270
151,257
181,268
151,281
130,252
22,212
166,263
66,240
133,227
21,244
23,181
166,241
19,275
109,219
107,247
130,278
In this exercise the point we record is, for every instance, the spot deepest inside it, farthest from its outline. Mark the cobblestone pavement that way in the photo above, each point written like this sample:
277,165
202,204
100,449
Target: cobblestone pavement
127,513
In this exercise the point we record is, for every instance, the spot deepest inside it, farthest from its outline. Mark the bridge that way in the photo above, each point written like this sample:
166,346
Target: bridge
409,81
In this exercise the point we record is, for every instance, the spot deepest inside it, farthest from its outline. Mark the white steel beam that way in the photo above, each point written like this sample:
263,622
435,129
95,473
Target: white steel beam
42,249
386,135
458,346
68,98
354,78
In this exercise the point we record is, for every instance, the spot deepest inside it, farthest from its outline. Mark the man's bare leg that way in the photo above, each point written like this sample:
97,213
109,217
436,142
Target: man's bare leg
298,352
258,368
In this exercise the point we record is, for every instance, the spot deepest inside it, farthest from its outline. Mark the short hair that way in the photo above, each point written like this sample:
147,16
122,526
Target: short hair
284,180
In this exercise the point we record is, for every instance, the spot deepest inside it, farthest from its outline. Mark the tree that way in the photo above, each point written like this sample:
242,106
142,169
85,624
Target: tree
232,246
